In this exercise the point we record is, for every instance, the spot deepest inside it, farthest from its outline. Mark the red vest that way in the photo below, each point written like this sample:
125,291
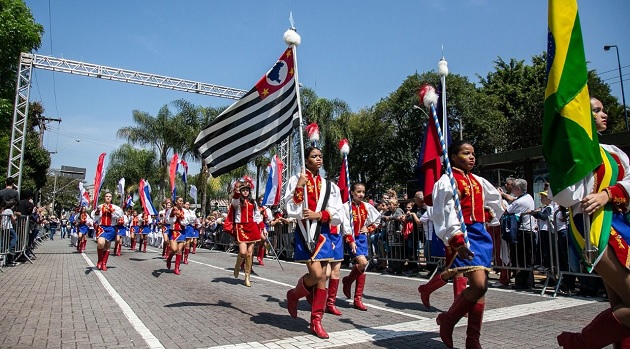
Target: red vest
470,196
106,215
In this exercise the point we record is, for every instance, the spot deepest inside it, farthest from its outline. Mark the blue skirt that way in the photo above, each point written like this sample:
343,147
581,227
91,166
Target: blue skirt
122,231
336,241
480,244
108,233
190,232
362,246
323,249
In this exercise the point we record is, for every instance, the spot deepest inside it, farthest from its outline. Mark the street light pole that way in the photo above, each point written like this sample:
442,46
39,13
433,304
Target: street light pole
623,96
64,147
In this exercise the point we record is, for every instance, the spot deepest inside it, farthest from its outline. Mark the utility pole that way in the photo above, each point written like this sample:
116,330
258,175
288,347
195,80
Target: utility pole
42,121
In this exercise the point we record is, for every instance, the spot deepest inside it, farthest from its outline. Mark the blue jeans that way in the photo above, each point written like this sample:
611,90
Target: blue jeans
64,231
12,239
52,233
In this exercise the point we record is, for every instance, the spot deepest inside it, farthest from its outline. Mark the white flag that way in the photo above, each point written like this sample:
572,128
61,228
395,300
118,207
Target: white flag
193,193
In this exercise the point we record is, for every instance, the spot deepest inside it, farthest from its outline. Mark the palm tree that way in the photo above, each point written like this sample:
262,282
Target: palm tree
163,133
133,164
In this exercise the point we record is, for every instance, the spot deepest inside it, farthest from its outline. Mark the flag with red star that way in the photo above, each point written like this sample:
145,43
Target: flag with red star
255,123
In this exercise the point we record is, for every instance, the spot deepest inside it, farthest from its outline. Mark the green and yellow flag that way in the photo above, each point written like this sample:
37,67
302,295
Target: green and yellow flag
570,143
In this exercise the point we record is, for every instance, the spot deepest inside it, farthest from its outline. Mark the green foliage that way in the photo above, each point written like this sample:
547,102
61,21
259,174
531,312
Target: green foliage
133,164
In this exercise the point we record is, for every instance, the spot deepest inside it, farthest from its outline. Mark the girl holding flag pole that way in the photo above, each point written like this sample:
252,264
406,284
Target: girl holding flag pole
466,200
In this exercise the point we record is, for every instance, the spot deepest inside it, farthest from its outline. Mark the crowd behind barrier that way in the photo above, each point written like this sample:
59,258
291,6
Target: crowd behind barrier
15,239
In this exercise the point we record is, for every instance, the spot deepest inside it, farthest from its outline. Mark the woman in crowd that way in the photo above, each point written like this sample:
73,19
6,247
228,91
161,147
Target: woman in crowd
316,204
357,226
478,198
605,193
248,224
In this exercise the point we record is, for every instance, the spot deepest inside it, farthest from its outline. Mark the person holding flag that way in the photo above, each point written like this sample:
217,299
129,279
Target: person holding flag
316,203
106,215
361,219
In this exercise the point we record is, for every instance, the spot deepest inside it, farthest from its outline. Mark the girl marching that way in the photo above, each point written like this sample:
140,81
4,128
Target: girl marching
106,216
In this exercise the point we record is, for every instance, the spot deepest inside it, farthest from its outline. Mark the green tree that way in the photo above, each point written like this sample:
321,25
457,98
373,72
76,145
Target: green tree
163,133
133,164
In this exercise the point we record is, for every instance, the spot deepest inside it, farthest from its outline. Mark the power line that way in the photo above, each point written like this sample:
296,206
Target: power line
615,77
613,70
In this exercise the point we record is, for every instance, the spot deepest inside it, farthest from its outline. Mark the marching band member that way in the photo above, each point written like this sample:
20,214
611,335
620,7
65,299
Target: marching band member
134,228
82,221
145,230
106,215
177,234
478,198
165,226
189,220
267,217
248,223
121,232
605,193
365,218
323,209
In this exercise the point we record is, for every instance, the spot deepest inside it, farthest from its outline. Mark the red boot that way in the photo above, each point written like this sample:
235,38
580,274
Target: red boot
261,254
333,286
428,288
133,244
459,285
144,247
605,329
448,320
294,295
84,242
169,260
119,249
194,248
317,312
186,252
358,293
473,331
99,261
104,262
178,260
348,280
623,344
164,246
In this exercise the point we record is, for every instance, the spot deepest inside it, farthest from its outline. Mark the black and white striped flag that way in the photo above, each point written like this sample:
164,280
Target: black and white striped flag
258,121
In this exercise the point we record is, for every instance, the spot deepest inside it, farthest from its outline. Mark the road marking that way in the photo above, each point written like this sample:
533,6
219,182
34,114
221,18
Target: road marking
372,334
135,321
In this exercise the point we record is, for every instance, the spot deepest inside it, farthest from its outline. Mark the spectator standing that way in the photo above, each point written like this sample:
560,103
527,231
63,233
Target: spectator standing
8,225
522,251
53,224
9,192
543,215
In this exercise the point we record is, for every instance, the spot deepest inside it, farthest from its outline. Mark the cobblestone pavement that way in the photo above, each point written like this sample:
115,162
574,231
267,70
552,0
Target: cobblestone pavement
62,301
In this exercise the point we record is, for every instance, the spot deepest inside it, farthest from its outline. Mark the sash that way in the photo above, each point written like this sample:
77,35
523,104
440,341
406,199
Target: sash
601,219
310,245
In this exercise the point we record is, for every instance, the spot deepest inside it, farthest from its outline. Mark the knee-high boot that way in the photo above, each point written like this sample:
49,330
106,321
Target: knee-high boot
237,265
164,252
317,312
133,244
448,320
605,329
459,285
428,288
169,260
119,249
144,247
194,248
333,286
186,252
623,344
99,261
358,293
248,269
473,331
178,261
104,261
348,280
294,295
261,253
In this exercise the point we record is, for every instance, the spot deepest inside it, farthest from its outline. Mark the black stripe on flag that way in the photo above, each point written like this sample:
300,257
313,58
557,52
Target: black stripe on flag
247,129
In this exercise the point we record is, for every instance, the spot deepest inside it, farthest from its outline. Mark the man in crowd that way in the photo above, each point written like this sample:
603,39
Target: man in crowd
522,252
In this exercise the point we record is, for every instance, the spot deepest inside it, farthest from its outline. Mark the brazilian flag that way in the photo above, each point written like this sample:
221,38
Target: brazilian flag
570,142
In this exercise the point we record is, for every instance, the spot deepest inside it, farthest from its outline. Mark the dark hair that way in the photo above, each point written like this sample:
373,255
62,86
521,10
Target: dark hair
354,185
455,146
9,181
308,150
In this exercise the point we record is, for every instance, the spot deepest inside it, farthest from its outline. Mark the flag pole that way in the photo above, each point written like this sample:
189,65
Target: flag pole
429,99
292,39
344,148
443,72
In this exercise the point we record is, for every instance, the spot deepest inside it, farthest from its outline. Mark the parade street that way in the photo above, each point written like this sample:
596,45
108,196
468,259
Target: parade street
62,301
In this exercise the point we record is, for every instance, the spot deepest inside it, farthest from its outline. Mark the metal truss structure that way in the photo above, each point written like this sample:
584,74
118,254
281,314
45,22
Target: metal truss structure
28,61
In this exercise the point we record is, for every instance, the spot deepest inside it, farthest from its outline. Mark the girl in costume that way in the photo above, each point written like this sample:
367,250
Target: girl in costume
365,218
316,204
478,198
604,194
248,224
177,236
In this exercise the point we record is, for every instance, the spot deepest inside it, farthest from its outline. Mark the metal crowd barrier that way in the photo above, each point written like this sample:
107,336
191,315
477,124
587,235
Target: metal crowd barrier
14,238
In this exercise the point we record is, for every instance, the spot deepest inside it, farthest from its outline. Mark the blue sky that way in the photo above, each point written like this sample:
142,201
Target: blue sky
358,51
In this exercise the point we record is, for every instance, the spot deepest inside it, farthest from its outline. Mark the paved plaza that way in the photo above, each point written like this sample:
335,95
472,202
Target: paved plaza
62,301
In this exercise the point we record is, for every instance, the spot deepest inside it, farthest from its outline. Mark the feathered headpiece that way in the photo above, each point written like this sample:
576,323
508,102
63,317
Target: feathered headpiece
246,182
344,147
428,95
312,131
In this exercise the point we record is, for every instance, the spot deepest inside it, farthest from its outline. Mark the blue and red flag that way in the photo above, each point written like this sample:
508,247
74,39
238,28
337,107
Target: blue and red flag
274,182
129,201
98,179
144,189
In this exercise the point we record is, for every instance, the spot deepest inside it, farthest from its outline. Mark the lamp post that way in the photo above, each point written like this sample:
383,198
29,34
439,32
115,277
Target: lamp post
64,147
623,96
